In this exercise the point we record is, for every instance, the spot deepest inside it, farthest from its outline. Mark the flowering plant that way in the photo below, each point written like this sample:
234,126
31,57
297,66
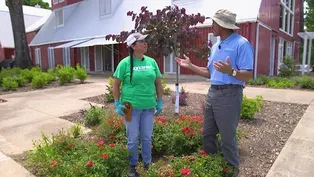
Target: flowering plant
197,164
65,156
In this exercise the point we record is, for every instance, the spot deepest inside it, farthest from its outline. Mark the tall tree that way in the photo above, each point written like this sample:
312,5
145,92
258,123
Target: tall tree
170,30
42,4
309,18
309,22
22,57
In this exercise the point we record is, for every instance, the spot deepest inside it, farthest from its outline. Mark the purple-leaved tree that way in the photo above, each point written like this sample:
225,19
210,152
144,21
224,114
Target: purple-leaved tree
170,30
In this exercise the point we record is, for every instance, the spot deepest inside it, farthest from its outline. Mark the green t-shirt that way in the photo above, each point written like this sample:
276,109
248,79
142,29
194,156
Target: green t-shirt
141,93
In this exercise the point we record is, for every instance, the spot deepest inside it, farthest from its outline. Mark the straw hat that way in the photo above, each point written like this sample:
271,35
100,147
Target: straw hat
225,19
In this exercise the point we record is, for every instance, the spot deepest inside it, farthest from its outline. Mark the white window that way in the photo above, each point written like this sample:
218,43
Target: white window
104,7
85,58
280,51
289,49
59,17
66,56
212,39
57,1
51,57
170,64
285,48
287,16
38,57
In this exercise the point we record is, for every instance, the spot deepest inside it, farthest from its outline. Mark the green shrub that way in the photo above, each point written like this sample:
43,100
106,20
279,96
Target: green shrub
51,75
280,82
305,82
260,80
93,115
76,130
36,69
27,75
166,89
5,73
20,80
9,83
250,106
287,69
109,94
65,74
39,81
80,73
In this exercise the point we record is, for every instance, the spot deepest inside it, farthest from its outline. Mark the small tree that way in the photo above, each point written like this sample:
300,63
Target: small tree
170,30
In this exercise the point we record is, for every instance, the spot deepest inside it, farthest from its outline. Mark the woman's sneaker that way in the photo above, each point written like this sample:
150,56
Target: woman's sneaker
133,172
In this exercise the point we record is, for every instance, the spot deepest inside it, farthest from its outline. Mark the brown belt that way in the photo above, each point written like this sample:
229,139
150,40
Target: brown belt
220,87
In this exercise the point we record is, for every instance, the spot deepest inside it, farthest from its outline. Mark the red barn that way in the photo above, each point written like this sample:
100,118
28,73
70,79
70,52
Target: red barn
34,17
76,30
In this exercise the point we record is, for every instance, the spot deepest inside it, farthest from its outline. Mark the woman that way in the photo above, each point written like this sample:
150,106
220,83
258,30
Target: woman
141,78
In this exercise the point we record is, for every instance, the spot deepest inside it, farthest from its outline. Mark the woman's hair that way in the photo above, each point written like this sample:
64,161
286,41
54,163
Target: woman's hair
131,51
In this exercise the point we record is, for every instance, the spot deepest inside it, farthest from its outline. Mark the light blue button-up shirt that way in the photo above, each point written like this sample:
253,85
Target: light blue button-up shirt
241,56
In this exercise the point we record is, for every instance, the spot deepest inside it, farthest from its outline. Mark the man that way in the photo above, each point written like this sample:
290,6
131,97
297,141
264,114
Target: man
230,65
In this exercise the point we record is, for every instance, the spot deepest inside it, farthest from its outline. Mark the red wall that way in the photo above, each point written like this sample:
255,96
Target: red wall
62,4
75,56
92,58
263,61
30,36
8,52
270,15
1,53
44,54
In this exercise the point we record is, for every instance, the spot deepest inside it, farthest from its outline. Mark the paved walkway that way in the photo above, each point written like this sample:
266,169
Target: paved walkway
26,114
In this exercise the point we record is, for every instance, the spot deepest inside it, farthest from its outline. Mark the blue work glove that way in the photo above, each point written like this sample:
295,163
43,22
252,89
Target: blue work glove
119,107
159,106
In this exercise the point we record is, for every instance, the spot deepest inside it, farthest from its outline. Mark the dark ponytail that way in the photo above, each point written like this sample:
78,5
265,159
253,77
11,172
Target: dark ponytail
131,50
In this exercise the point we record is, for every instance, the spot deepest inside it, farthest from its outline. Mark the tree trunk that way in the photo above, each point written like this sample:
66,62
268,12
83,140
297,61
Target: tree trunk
22,57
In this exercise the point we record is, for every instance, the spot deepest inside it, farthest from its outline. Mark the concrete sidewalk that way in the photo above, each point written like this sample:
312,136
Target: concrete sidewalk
26,114
280,95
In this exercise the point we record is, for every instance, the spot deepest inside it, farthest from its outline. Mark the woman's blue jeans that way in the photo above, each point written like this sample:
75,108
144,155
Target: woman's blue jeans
142,124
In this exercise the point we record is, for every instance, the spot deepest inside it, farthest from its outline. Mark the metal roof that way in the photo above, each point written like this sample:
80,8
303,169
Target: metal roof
70,44
94,42
82,20
310,35
31,16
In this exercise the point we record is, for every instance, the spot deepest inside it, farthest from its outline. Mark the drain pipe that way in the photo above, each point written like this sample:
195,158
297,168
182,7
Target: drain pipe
256,49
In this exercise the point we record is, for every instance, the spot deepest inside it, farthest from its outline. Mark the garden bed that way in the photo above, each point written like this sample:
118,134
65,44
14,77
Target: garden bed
23,80
27,87
262,139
